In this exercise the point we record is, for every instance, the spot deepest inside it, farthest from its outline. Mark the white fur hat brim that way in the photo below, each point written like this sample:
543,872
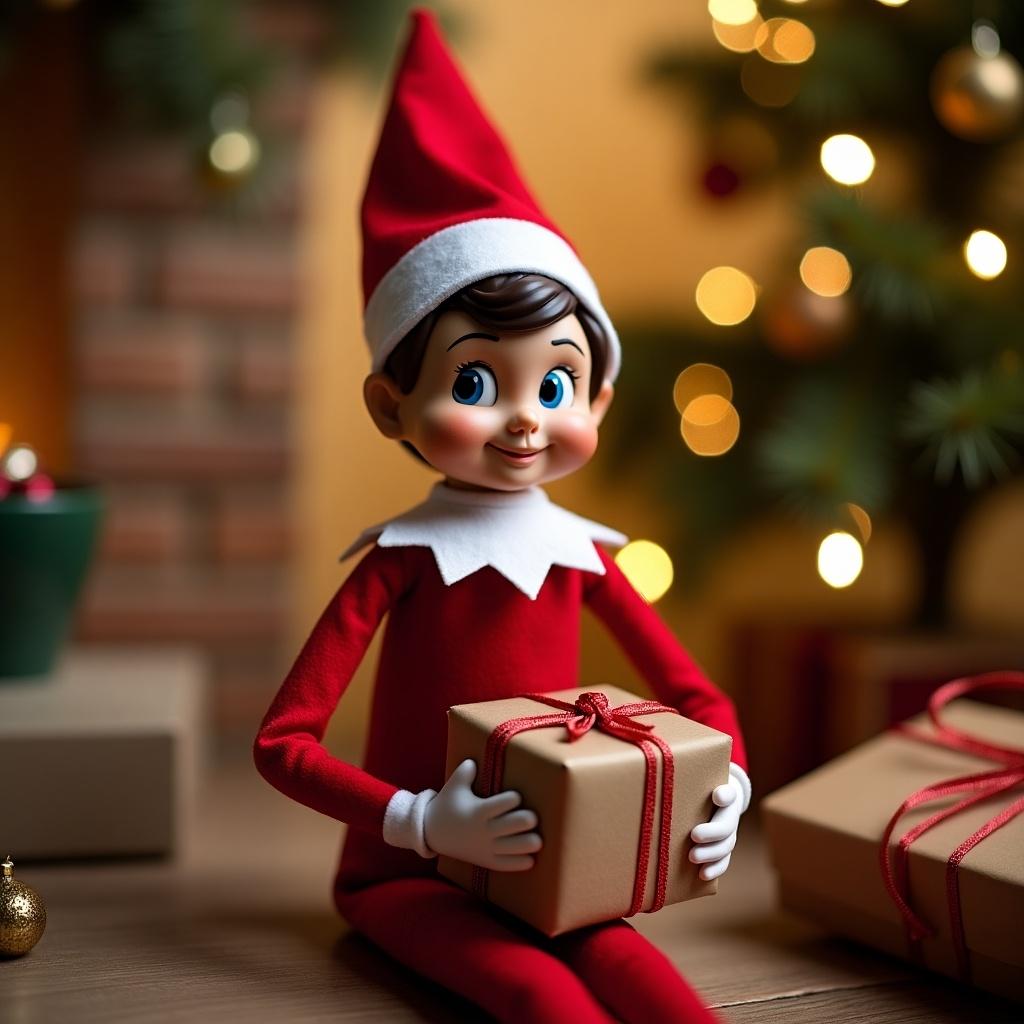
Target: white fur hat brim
456,256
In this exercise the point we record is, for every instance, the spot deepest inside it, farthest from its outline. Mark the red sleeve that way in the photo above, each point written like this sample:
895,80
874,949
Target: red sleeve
671,673
287,751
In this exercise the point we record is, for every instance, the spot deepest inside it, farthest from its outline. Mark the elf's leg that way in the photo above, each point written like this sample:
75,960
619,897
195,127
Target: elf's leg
630,974
448,935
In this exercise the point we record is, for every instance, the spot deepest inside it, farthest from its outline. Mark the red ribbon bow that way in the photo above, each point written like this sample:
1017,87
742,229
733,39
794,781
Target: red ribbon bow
591,711
979,786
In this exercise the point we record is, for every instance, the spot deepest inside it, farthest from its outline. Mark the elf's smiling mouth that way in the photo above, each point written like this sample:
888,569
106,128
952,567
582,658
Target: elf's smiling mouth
522,457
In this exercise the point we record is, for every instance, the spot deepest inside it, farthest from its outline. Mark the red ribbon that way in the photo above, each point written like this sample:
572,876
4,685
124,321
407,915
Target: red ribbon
591,711
978,786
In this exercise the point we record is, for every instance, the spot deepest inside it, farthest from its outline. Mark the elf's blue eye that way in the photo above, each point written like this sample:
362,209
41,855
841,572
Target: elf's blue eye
556,389
475,385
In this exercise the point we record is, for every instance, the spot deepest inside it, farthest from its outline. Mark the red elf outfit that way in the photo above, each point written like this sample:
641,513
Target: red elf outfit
483,593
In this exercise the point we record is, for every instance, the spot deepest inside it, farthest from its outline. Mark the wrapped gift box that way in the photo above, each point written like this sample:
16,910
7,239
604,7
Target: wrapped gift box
824,832
589,797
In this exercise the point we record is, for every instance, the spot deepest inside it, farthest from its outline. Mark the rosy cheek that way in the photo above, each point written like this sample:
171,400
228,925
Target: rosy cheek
452,427
577,434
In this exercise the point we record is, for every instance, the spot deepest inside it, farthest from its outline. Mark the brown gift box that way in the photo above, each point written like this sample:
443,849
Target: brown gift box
824,832
588,797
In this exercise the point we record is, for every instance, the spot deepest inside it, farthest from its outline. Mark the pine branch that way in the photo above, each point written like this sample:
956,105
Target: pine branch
829,447
970,423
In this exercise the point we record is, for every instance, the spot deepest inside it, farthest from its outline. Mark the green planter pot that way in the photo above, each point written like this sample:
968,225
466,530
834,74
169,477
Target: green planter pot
45,547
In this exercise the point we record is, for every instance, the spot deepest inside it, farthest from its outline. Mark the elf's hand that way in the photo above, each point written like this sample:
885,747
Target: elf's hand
716,838
482,831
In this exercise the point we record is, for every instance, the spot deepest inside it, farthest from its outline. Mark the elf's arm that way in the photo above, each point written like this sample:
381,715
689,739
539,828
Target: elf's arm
678,682
288,751
290,756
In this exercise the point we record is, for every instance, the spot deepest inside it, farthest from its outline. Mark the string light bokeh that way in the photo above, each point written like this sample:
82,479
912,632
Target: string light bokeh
840,559
847,159
784,41
825,271
726,295
985,254
648,567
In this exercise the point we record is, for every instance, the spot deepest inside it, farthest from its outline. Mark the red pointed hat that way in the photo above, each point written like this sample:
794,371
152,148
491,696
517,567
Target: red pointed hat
446,206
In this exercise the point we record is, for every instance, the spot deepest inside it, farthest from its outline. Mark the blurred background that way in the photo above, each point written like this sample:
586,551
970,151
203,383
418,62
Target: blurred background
806,219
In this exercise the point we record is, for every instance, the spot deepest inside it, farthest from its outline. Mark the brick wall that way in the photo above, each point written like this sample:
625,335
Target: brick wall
182,326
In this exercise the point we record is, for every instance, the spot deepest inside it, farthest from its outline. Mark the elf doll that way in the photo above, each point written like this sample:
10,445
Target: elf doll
493,362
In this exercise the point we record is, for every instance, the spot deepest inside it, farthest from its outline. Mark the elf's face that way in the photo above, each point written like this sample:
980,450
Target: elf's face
497,410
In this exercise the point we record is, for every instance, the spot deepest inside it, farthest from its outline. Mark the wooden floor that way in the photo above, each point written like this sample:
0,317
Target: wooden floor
241,929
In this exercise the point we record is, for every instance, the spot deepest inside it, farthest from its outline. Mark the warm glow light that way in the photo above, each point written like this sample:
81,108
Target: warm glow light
893,3
738,38
732,12
793,41
647,566
234,152
6,430
840,559
862,519
847,159
707,410
784,41
726,295
710,425
825,271
20,463
985,254
700,379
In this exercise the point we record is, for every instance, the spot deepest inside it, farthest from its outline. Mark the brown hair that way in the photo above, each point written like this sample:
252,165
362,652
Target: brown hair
505,302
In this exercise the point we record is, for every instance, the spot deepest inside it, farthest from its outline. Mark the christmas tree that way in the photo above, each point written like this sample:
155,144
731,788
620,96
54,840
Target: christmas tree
878,372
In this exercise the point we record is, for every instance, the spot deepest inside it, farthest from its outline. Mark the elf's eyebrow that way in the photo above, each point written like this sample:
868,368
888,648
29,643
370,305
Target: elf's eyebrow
569,341
466,337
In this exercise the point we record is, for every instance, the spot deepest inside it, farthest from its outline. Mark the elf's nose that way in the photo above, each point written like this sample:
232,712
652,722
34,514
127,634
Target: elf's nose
524,420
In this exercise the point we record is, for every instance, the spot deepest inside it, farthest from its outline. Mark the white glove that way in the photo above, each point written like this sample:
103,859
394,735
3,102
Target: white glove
485,831
716,838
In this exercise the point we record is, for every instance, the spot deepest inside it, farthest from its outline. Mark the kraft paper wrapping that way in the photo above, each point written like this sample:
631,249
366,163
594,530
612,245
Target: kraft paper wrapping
588,797
824,832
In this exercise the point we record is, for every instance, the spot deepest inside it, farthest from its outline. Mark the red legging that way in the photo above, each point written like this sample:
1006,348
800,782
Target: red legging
513,971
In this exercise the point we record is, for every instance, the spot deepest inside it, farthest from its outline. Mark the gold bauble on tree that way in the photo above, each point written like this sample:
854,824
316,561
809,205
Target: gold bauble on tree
22,914
978,98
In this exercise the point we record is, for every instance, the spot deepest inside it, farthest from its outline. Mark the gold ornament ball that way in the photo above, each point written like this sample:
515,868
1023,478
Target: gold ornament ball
22,914
978,98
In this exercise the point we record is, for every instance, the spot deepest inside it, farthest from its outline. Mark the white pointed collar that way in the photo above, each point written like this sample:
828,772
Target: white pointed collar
521,534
